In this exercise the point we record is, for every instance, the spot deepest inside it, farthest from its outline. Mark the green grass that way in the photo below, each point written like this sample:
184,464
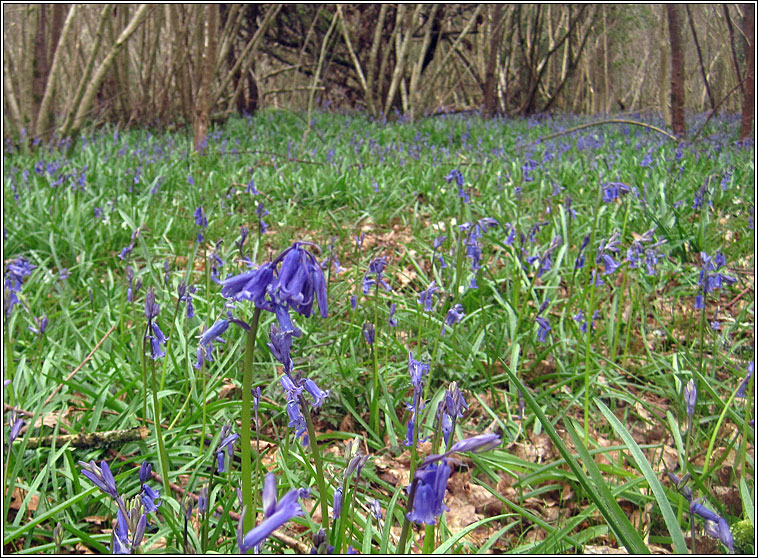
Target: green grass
388,181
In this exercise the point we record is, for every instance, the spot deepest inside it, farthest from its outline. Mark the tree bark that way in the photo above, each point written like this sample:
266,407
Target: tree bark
102,69
748,98
45,115
202,119
677,70
490,78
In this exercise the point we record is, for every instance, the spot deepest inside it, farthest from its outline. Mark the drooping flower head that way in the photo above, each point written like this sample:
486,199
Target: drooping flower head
294,280
153,333
276,513
428,501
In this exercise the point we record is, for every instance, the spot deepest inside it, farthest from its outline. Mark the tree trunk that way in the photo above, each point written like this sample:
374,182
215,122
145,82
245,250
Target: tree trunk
677,70
748,99
490,78
102,69
202,118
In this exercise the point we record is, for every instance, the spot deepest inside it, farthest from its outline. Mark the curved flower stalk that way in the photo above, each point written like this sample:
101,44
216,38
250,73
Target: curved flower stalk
294,280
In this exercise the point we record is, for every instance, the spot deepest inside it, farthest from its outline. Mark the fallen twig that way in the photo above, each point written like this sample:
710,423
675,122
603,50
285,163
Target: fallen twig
598,123
89,440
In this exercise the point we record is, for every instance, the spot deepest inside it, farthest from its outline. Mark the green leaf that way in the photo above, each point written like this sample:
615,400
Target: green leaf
680,547
597,489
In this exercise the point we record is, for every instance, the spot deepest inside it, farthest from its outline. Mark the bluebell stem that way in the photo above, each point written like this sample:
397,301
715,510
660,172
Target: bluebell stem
276,514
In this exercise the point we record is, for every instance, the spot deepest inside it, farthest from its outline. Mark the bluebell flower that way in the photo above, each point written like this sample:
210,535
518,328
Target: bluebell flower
280,346
337,503
225,447
477,444
296,285
251,189
101,477
151,499
417,372
456,175
375,268
428,500
40,325
543,330
359,240
185,295
261,212
614,190
276,514
153,333
697,508
710,280
426,297
244,231
316,392
376,508
690,398
454,316
353,302
368,333
120,543
202,501
392,321
16,424
579,263
743,384
144,472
